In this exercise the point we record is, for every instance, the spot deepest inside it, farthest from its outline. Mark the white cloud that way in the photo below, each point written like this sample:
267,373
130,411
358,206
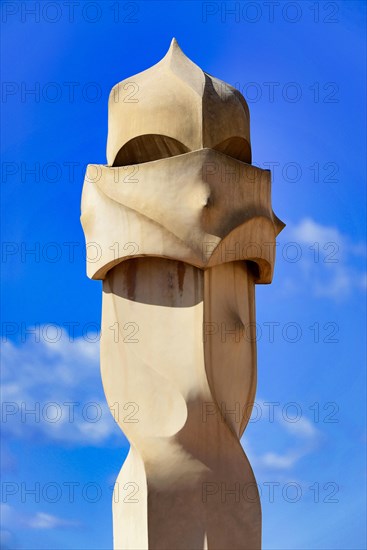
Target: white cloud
61,383
308,231
11,519
48,521
303,427
328,262
287,440
280,462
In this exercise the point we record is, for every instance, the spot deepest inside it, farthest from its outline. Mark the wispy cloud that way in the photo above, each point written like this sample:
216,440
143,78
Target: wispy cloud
303,428
54,391
48,521
280,461
287,441
308,231
329,263
12,519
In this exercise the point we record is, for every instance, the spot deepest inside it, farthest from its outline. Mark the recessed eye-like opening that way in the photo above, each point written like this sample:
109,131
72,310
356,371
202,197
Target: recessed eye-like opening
235,147
147,148
254,268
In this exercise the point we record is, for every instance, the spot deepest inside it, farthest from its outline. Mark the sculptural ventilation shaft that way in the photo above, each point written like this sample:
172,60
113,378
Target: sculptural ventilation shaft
182,228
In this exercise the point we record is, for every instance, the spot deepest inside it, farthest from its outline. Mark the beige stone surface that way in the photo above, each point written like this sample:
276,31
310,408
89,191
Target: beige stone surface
186,455
181,228
202,207
181,108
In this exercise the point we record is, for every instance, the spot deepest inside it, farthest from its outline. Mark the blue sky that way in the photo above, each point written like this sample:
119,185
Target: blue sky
301,67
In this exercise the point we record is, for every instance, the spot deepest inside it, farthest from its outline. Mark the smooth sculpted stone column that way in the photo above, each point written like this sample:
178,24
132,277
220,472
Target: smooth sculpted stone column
183,229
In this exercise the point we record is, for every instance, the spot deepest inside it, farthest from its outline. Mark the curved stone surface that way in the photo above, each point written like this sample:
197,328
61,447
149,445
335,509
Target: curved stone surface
175,107
188,372
180,227
203,208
